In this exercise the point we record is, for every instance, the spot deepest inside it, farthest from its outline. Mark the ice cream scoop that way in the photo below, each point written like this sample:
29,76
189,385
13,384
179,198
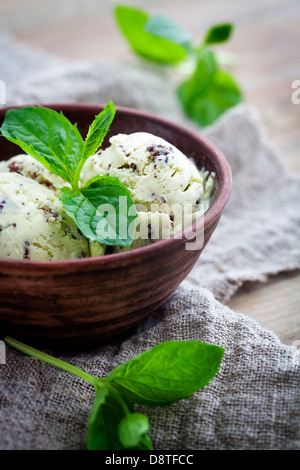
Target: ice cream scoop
152,169
160,178
33,224
28,166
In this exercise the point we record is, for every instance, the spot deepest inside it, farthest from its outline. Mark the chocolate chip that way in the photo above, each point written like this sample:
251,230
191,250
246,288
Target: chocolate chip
133,166
48,184
109,250
2,204
159,151
14,168
49,213
26,249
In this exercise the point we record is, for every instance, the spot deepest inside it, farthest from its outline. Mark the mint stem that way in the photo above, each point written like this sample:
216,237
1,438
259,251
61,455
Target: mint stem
77,175
51,360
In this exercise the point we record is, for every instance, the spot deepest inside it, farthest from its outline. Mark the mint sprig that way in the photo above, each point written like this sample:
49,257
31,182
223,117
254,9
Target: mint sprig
50,138
164,374
208,91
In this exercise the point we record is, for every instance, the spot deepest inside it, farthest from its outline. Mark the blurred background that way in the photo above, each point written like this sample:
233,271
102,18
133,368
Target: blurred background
265,42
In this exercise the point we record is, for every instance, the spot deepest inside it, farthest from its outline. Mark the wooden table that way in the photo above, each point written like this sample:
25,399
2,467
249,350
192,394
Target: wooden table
266,43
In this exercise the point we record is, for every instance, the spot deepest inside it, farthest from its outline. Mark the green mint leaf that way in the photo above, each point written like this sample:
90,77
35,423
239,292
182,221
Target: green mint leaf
222,95
218,33
104,420
103,210
133,23
165,28
200,80
133,430
209,92
206,105
167,373
47,136
98,130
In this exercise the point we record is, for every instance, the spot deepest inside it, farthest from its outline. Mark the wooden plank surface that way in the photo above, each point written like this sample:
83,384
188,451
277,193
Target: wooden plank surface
266,43
274,305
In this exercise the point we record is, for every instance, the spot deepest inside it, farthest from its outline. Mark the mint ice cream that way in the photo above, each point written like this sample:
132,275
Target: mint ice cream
33,224
161,179
28,166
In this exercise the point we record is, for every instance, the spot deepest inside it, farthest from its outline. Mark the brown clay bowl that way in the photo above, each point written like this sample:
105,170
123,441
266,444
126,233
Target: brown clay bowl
86,302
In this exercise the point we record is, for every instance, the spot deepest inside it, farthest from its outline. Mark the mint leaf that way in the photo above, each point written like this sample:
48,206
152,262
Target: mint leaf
47,136
103,210
218,33
97,131
134,23
165,28
200,80
206,104
104,420
133,430
169,372
223,94
209,92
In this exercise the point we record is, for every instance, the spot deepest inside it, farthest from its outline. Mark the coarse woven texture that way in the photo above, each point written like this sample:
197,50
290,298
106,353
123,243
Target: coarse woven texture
253,401
259,232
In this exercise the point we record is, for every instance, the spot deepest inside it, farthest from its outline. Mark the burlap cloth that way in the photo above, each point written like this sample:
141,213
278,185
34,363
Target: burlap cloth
253,401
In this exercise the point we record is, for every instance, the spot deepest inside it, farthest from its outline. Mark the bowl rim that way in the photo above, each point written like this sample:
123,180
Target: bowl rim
213,212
